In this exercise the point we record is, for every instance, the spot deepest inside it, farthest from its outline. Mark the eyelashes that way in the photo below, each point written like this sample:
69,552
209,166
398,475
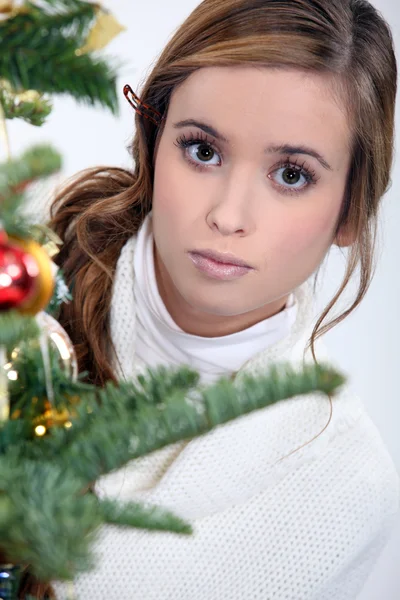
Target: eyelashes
289,165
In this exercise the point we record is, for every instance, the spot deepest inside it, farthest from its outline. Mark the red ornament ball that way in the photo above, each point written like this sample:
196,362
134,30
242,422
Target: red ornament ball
18,273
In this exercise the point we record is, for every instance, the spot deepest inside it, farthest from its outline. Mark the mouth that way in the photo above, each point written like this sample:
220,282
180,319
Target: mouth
218,270
224,258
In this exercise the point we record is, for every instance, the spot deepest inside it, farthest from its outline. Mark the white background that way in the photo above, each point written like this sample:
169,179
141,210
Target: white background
366,343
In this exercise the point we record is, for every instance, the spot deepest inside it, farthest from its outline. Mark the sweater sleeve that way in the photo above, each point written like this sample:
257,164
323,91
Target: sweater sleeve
376,496
349,580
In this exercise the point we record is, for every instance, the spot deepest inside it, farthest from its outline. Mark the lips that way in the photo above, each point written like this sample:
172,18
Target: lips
225,258
218,270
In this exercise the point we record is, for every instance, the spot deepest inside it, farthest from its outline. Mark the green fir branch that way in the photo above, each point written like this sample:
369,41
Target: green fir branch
45,520
15,175
114,425
26,38
142,516
72,18
15,327
34,112
36,162
13,221
61,295
13,436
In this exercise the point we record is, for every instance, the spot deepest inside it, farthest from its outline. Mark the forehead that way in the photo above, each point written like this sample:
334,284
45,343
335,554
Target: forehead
266,104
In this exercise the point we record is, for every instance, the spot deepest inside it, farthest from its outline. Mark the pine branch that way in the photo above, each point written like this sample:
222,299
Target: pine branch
36,162
142,516
112,426
88,80
60,296
15,175
71,18
15,327
45,520
12,221
26,38
34,112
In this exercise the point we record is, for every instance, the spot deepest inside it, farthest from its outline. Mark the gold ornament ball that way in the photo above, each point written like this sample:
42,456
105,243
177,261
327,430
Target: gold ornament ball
44,281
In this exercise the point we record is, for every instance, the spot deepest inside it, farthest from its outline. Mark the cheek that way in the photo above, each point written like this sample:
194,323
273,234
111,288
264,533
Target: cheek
171,191
306,236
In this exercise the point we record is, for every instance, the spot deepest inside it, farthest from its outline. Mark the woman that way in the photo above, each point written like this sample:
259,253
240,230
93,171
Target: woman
265,135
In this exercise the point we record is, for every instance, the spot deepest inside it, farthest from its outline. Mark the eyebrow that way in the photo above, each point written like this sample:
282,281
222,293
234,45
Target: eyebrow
273,149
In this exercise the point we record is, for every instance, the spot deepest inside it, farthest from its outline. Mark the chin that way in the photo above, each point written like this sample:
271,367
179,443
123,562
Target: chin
219,305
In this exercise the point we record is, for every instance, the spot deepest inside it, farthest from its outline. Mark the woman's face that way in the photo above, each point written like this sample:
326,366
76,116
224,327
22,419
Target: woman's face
270,192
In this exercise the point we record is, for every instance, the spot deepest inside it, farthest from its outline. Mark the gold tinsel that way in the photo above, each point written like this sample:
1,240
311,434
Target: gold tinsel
48,239
28,96
10,8
55,418
6,6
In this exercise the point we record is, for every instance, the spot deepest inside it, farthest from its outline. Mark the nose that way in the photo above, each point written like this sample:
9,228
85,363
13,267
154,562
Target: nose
232,210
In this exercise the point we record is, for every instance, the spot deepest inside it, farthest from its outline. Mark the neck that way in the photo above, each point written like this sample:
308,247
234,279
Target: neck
196,322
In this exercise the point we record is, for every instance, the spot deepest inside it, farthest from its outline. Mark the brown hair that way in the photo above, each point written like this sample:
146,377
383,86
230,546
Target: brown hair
98,211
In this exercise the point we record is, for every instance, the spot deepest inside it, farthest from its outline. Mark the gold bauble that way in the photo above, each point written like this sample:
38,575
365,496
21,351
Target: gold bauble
44,282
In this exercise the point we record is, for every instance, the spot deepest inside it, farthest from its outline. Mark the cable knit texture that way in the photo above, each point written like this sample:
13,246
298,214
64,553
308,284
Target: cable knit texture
274,517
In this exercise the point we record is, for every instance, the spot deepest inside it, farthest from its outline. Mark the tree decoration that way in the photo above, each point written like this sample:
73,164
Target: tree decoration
18,271
29,105
105,28
26,279
6,7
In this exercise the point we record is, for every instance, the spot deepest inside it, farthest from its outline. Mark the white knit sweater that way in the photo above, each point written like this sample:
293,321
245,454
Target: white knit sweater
269,523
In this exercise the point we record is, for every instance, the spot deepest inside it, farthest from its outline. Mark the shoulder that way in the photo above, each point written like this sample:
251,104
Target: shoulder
372,468
352,471
342,450
358,438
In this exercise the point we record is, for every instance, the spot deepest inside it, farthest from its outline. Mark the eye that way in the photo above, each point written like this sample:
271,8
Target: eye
292,178
199,151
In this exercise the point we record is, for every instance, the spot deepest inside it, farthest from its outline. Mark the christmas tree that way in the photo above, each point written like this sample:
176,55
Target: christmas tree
58,433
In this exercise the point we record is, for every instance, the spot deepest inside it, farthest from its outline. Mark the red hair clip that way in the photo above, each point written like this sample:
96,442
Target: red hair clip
145,110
